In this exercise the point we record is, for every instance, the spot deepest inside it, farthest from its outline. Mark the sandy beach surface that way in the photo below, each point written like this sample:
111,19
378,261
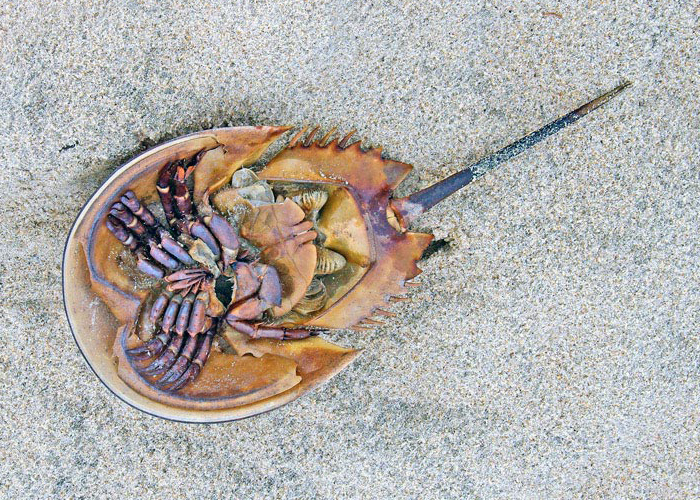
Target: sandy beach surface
553,350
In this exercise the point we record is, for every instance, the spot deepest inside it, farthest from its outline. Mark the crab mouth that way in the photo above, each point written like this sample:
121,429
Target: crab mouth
223,287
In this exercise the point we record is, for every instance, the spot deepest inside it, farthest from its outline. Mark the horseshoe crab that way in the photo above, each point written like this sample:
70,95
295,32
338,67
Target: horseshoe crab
197,288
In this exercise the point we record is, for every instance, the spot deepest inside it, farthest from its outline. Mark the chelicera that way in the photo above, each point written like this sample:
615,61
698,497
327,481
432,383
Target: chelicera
220,279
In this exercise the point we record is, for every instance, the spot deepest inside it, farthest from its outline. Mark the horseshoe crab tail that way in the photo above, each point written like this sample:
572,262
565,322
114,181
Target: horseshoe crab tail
412,206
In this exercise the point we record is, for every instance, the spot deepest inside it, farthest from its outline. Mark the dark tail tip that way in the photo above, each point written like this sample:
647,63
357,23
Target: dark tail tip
409,208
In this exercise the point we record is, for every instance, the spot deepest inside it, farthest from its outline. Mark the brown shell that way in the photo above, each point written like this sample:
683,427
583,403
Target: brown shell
267,228
104,298
342,192
356,225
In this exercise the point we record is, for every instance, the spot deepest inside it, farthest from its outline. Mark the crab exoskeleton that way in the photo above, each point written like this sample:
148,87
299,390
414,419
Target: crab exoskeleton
217,279
199,247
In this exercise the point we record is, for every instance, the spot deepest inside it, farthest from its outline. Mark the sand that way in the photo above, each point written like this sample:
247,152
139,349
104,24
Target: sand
554,349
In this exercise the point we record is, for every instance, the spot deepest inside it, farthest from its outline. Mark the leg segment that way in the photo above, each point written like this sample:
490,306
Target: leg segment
247,309
222,230
258,331
177,204
144,264
161,256
127,218
165,360
181,364
197,363
170,315
153,347
198,316
183,315
121,233
174,248
135,229
145,215
183,201
164,192
159,306
197,229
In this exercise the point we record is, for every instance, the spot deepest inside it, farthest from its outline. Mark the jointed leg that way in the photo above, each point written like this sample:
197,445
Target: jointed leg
164,192
136,227
153,347
165,360
198,362
258,331
181,364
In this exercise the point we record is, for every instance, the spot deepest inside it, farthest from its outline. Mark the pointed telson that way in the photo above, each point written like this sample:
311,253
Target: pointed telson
412,206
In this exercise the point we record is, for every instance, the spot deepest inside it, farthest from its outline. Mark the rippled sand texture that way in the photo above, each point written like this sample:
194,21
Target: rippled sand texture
554,349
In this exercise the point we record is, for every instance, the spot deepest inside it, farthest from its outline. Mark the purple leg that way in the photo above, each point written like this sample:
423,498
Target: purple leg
144,264
153,347
159,306
144,215
256,331
176,371
120,232
165,360
197,363
164,191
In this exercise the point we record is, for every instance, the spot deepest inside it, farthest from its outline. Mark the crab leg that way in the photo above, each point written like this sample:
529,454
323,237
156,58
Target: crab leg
171,313
165,360
139,210
184,284
185,273
163,187
127,227
122,213
162,257
183,316
153,347
175,174
174,248
197,363
133,216
247,309
222,230
159,306
197,229
198,316
257,331
269,294
144,264
165,339
181,364
182,193
186,281
121,233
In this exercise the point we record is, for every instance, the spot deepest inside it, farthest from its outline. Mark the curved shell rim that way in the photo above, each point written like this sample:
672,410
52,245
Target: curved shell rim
198,416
